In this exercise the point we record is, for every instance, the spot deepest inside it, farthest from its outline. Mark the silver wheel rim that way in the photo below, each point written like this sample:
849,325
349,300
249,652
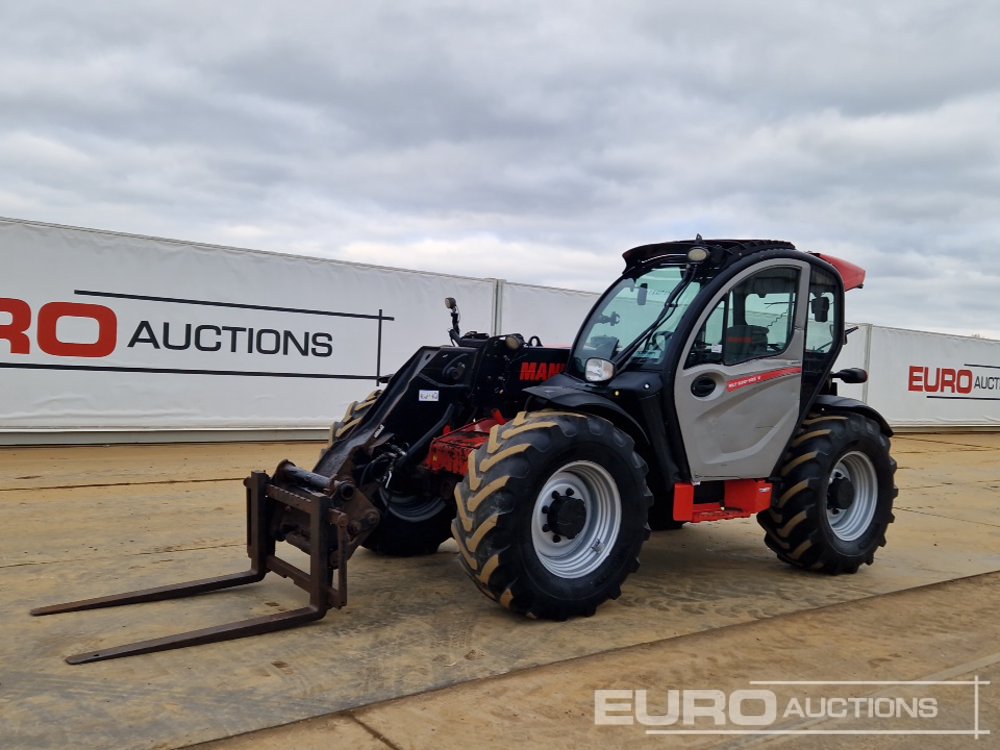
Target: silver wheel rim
851,523
583,554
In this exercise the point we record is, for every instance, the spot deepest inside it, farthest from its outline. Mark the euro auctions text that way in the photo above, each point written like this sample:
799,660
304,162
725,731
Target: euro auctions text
954,381
786,707
204,337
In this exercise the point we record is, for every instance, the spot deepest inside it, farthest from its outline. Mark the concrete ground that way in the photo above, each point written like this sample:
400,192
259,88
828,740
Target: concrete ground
419,659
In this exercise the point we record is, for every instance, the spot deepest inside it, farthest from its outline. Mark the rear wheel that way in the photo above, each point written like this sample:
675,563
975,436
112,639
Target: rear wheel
552,514
835,498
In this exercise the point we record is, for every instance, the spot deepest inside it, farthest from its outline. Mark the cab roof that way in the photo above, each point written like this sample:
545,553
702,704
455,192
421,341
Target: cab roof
732,248
723,251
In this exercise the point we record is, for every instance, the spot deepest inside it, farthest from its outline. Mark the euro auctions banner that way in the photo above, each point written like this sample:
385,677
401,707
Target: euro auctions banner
921,379
104,331
108,331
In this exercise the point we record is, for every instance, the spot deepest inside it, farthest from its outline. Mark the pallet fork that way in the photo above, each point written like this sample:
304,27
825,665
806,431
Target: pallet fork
322,509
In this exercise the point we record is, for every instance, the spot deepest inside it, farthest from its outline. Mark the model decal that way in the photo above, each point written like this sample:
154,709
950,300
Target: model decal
760,377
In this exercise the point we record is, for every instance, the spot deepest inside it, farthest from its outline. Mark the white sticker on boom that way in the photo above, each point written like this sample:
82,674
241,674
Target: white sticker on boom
430,395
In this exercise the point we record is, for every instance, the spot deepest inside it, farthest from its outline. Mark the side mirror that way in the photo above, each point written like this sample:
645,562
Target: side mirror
455,334
851,375
641,294
820,307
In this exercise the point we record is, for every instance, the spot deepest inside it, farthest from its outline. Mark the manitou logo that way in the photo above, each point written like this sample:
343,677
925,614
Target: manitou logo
940,380
16,332
532,372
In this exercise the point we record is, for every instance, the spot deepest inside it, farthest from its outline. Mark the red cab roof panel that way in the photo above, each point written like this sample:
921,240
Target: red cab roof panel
853,276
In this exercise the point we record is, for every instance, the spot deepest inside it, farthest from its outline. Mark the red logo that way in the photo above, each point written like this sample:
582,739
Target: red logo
940,380
15,333
532,372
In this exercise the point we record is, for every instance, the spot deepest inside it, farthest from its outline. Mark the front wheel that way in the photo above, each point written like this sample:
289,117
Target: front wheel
411,525
344,426
835,497
552,514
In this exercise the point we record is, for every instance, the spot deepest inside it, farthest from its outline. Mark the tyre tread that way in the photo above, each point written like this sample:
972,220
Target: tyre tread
792,525
484,525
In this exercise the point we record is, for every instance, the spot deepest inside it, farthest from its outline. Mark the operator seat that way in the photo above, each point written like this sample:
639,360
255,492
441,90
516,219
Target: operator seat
745,342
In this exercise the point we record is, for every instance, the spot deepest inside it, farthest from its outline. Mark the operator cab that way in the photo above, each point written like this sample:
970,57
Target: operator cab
735,338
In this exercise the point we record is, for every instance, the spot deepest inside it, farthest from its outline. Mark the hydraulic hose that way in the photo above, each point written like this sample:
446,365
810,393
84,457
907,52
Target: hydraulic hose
418,447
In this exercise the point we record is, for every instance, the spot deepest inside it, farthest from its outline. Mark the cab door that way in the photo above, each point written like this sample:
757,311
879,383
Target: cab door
738,385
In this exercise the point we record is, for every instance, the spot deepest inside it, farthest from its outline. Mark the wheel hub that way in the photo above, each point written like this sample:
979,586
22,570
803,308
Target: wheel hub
852,496
576,519
840,495
565,516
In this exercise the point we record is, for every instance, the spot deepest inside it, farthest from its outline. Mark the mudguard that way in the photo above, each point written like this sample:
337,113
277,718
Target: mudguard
576,400
842,403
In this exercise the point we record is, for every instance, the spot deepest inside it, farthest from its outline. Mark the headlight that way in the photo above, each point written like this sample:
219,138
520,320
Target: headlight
698,254
598,370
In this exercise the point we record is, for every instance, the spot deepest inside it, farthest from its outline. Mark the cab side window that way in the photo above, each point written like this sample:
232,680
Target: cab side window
755,319
822,318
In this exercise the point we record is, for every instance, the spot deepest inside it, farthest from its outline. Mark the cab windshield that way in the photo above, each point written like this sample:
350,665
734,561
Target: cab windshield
626,313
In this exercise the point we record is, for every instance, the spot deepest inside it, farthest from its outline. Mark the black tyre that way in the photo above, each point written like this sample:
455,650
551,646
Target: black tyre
552,514
352,417
834,502
410,525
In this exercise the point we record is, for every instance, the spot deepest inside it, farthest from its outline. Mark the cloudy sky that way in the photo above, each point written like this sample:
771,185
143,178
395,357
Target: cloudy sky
527,141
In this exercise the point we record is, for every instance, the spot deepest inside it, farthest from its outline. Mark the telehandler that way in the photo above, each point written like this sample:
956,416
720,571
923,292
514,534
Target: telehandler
699,388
